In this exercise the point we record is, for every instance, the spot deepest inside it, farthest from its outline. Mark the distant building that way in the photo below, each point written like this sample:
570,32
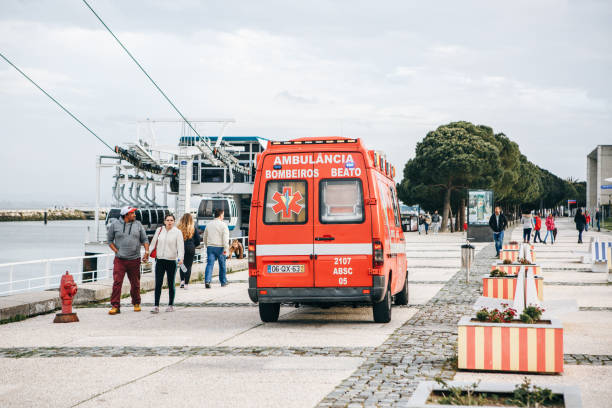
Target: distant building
599,180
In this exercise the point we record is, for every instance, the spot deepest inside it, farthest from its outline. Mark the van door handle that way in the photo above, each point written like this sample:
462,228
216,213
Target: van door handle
324,238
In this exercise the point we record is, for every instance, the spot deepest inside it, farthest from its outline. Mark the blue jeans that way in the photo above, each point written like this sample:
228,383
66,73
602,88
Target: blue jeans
526,234
212,254
552,236
498,237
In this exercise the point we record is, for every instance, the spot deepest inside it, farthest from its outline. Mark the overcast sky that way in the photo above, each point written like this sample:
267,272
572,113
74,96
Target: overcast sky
385,71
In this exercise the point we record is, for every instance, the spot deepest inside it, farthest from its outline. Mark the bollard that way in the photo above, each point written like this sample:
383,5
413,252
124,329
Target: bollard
467,256
67,291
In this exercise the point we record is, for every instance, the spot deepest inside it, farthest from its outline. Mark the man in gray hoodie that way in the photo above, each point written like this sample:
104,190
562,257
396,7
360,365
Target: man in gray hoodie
125,236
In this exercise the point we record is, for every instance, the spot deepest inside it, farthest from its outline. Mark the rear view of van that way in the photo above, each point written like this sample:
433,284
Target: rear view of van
325,228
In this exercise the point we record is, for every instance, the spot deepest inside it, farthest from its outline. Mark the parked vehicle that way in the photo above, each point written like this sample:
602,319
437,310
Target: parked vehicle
206,205
150,218
325,228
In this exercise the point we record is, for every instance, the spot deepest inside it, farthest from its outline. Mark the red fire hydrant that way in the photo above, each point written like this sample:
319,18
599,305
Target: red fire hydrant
67,291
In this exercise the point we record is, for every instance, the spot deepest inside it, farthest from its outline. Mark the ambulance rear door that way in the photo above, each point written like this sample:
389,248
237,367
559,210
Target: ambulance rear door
284,245
342,221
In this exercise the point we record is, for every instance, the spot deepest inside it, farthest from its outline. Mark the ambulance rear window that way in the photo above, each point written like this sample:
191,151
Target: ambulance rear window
286,202
341,201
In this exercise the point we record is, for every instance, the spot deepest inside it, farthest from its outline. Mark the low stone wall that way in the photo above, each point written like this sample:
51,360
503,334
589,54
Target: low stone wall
38,215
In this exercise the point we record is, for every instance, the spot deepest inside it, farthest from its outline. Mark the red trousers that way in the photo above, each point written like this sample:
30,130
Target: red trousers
120,268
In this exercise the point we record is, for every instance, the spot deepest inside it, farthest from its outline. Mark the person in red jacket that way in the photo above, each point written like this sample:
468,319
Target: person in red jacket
550,228
537,227
588,220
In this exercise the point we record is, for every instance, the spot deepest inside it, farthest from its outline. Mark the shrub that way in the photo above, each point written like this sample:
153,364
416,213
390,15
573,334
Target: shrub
482,315
496,273
528,395
507,262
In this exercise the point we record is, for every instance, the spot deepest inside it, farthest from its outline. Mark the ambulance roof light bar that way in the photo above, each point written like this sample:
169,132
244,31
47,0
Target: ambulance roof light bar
299,142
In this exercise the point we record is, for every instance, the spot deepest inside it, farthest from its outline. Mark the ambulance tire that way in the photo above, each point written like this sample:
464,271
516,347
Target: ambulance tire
401,299
268,312
382,309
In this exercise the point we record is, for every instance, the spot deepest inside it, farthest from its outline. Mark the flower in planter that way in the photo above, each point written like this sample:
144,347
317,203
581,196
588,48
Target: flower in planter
496,316
507,262
513,242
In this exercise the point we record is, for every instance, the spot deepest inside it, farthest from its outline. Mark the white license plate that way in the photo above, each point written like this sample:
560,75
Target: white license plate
285,268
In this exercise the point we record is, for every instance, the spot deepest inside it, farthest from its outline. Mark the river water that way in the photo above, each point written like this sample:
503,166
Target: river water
30,240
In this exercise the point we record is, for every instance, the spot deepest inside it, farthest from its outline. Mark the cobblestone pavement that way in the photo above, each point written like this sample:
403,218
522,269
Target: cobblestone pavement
423,348
182,351
587,359
595,309
578,283
209,304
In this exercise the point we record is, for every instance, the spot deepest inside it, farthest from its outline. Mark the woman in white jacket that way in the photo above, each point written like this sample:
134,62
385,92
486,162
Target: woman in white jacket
168,242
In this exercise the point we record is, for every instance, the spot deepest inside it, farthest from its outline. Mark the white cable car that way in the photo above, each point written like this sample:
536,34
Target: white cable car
207,204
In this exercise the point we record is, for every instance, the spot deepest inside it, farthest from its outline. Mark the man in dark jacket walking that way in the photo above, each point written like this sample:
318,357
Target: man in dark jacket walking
598,219
498,224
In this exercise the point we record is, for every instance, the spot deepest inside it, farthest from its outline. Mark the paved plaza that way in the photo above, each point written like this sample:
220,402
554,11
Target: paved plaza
215,351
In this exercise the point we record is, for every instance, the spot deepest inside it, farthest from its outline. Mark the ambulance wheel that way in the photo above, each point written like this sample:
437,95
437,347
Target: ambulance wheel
382,309
268,312
401,299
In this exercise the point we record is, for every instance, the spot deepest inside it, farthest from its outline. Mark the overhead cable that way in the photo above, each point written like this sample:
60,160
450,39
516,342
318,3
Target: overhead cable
229,161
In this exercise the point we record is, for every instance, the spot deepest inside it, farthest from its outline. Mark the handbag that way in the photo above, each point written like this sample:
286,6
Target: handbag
153,253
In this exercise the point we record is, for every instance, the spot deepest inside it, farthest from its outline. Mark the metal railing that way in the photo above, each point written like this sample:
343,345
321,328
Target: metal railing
43,274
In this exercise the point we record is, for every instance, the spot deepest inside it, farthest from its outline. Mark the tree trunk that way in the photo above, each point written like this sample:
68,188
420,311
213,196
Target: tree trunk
446,211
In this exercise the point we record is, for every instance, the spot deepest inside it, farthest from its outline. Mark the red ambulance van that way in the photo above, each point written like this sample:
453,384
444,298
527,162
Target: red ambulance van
325,228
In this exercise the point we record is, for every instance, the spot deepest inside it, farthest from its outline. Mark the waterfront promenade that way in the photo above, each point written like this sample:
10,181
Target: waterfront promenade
214,350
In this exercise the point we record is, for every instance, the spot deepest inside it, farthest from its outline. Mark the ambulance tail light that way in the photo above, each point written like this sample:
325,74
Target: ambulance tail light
252,256
377,254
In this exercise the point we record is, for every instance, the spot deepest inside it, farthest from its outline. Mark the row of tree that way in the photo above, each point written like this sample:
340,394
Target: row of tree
461,155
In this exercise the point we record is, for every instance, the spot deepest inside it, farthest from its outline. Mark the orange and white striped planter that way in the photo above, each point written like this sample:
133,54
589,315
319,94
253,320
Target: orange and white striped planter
514,247
513,269
512,254
517,347
504,287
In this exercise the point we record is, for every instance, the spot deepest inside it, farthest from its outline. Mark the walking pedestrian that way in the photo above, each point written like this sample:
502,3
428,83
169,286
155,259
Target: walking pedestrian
216,239
421,223
498,224
527,222
191,239
436,220
427,222
125,236
537,226
169,245
598,219
550,228
580,221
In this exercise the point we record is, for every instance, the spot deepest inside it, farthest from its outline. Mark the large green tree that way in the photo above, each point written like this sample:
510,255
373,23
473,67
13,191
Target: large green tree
452,157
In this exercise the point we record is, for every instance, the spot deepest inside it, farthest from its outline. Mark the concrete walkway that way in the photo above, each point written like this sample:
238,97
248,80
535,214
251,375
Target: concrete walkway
214,350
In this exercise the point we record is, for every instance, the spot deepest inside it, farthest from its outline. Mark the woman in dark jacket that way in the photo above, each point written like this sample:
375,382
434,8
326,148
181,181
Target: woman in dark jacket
192,239
580,221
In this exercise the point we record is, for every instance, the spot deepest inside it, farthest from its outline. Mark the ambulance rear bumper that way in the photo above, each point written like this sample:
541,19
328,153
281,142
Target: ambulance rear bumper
318,295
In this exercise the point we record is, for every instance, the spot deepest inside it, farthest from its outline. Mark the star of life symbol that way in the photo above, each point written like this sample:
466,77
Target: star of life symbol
287,202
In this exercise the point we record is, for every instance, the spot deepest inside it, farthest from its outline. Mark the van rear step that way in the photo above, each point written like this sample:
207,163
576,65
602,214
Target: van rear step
370,294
